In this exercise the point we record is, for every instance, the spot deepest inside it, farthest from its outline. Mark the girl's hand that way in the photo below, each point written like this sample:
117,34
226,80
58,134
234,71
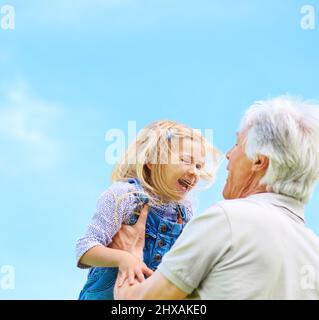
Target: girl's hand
132,268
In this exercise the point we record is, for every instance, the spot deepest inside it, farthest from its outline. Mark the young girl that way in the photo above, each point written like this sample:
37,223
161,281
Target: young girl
159,169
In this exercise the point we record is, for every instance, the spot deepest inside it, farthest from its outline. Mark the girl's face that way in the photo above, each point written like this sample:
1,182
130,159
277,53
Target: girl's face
183,171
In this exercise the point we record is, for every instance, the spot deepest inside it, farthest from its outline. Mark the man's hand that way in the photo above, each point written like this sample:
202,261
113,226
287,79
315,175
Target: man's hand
132,238
156,287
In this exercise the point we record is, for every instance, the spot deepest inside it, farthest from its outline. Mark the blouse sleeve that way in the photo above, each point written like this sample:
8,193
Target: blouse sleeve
114,207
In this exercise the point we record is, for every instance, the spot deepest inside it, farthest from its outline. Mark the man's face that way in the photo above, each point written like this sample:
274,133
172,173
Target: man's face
240,175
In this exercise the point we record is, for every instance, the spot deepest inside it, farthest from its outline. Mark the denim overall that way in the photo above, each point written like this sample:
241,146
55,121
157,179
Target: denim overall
160,235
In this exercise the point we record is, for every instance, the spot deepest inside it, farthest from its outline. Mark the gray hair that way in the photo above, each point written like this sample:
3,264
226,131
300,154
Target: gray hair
286,131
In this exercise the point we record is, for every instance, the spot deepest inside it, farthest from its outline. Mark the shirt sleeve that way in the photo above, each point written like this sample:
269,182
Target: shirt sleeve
200,247
114,206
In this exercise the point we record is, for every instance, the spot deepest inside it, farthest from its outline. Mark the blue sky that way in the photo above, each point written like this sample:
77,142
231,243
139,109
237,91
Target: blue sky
72,70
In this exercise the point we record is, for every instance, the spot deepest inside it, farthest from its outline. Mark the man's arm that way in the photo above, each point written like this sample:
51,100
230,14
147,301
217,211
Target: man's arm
156,287
202,245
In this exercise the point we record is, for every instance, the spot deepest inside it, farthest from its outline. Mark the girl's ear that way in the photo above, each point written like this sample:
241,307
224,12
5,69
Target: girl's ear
149,166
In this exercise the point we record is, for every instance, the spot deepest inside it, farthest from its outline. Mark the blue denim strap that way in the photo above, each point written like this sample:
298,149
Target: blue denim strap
141,194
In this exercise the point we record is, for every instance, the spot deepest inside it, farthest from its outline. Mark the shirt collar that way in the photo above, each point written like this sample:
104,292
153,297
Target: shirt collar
294,206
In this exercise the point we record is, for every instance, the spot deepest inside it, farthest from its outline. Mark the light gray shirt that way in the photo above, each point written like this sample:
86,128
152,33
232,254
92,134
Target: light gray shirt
252,248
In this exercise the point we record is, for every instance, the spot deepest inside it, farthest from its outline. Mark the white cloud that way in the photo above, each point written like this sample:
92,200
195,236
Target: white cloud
26,124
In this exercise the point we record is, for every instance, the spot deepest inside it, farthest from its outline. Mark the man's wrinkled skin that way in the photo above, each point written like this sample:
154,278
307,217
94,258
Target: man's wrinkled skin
132,238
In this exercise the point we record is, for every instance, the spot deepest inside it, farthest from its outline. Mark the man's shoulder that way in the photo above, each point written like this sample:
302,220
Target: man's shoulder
233,203
239,207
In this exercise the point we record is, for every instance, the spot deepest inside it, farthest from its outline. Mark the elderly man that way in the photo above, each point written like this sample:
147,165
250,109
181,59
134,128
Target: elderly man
254,244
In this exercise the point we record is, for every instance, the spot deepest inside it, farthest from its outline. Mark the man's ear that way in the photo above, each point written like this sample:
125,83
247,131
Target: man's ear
260,164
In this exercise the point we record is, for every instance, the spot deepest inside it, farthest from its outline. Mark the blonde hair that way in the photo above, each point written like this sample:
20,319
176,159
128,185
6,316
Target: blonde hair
157,144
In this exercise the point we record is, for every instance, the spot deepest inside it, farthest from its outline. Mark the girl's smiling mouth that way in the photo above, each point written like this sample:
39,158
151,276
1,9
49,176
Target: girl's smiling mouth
185,184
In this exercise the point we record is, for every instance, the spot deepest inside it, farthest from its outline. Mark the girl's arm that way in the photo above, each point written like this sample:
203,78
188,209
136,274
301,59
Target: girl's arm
112,209
101,256
129,265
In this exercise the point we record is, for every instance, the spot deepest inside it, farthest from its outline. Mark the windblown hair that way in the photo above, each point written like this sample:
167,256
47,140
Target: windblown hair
286,130
158,144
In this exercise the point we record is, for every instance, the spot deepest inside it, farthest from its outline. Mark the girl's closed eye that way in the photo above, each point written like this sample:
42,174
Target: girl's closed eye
186,160
190,161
